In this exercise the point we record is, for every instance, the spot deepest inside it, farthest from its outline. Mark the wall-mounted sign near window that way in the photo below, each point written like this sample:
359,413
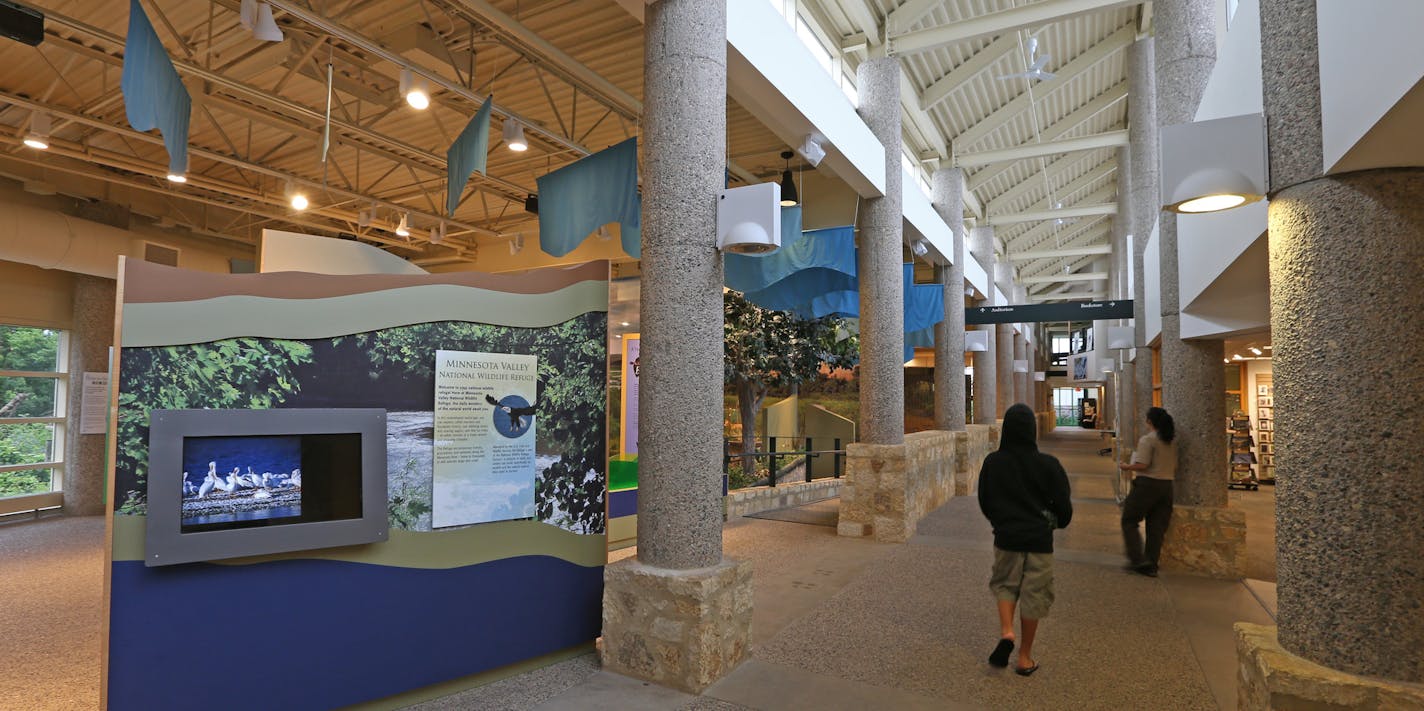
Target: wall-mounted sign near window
94,405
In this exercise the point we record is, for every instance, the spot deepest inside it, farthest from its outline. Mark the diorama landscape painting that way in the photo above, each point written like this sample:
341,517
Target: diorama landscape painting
393,369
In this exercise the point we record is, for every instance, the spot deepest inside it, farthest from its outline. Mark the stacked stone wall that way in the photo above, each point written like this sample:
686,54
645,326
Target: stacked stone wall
1206,540
889,488
743,502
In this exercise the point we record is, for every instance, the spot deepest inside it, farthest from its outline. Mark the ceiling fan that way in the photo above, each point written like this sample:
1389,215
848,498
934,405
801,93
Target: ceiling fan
1035,64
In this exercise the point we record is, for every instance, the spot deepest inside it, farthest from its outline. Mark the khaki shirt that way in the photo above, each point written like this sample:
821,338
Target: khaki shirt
1160,457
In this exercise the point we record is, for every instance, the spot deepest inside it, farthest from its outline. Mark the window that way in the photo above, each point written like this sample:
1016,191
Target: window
32,404
1231,11
848,88
808,37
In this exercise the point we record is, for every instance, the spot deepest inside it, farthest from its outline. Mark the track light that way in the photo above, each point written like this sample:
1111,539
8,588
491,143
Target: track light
514,136
919,248
604,234
297,198
516,244
403,228
414,89
38,137
1257,351
178,176
257,18
789,198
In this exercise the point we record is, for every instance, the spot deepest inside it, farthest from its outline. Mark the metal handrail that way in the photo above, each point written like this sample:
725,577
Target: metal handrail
838,453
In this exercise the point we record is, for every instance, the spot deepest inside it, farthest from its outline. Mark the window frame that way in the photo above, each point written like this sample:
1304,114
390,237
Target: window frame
59,420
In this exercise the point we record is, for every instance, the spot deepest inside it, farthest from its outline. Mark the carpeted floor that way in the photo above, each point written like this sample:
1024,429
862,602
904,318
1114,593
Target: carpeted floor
50,588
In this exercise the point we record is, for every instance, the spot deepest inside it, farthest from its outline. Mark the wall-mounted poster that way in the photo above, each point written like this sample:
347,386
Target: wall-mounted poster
486,407
632,350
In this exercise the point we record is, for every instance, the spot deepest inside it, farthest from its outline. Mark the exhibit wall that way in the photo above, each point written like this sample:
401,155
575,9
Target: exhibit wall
496,538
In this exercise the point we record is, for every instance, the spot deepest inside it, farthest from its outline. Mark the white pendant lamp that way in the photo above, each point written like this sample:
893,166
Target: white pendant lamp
514,136
414,89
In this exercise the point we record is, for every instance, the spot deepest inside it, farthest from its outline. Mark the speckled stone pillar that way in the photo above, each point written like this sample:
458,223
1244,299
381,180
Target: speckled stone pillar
882,316
684,147
1143,206
1121,276
679,614
1021,380
1193,383
90,335
1004,335
949,334
986,398
1346,254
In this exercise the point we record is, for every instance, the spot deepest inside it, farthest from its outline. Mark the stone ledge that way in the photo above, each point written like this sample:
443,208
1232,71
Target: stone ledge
683,629
1206,540
743,502
1269,677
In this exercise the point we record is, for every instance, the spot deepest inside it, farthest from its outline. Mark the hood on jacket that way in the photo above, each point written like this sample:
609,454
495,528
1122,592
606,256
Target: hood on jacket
1020,429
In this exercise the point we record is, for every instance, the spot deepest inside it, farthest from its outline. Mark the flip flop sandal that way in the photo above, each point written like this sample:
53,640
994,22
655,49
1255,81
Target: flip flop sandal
1000,657
1026,672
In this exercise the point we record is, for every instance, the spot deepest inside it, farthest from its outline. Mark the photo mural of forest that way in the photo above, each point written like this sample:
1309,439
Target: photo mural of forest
394,369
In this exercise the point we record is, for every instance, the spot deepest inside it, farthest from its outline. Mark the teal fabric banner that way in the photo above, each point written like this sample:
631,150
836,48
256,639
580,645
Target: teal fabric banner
579,198
831,250
467,154
154,96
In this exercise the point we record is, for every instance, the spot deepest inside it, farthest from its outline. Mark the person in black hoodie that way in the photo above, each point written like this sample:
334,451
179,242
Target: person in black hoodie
1024,494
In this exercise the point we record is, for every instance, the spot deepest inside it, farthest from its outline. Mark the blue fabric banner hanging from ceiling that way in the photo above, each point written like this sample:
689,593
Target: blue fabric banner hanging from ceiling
467,155
918,339
798,291
924,303
154,96
828,250
577,199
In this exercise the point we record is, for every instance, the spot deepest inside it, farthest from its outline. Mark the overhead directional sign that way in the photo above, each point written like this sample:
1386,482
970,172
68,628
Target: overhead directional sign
1067,311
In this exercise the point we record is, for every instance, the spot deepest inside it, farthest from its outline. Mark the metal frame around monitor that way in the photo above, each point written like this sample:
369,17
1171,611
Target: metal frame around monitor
166,544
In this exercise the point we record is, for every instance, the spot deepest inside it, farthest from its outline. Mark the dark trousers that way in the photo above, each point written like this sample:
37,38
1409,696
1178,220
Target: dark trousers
1150,499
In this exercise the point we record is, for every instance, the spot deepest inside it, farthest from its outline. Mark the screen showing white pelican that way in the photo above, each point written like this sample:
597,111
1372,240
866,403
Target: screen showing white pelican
232,479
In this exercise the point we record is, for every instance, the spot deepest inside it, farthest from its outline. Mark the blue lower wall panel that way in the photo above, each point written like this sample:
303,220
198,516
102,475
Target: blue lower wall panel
319,634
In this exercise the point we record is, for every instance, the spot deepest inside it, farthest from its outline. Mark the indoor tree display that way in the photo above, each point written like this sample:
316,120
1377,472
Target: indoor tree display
766,349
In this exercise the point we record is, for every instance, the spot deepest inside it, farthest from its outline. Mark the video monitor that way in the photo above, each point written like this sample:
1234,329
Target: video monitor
230,483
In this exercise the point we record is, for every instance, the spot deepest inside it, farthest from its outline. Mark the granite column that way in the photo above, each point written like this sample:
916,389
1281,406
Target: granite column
91,334
1143,206
981,248
1350,481
679,614
882,316
1193,384
1004,335
949,334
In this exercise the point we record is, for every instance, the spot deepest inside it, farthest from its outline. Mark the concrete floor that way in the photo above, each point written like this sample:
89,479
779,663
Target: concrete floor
852,624
838,623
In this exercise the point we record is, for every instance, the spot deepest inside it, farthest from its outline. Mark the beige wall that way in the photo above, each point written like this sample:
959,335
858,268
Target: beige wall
31,296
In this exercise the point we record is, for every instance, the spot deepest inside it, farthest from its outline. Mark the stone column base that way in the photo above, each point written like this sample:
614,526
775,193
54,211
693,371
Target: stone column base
1206,540
1269,677
890,487
683,629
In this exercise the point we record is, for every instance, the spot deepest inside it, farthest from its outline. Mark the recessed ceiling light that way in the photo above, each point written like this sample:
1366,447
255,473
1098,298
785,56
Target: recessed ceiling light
1256,350
625,323
1212,203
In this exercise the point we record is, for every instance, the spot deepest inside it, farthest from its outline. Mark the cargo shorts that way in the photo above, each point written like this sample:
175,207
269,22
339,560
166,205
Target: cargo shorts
1026,578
